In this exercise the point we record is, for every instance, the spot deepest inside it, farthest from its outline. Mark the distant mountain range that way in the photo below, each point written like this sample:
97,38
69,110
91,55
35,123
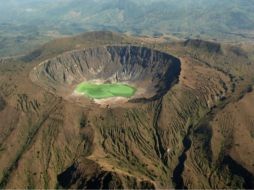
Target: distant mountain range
30,22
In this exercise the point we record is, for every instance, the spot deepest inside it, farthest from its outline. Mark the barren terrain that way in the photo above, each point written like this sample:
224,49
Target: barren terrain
194,130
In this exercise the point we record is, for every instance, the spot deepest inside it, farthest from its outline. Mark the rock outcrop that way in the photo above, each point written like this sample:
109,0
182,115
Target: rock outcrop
151,72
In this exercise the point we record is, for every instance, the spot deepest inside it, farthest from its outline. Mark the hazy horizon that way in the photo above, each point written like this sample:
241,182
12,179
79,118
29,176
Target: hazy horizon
37,21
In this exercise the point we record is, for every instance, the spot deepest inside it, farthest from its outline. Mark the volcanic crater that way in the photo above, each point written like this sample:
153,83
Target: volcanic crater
152,73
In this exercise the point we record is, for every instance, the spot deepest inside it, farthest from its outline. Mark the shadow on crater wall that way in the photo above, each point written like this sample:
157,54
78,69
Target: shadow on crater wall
150,71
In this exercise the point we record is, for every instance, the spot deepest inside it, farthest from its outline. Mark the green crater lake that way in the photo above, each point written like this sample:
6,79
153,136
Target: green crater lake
102,91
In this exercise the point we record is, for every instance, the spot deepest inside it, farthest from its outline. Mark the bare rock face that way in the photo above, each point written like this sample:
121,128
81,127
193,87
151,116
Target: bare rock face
151,72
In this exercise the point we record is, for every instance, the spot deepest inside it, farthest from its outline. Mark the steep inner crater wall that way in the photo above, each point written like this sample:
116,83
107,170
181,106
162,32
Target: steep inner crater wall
151,72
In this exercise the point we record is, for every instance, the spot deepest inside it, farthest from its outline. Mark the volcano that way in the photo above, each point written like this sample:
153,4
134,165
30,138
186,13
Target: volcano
151,72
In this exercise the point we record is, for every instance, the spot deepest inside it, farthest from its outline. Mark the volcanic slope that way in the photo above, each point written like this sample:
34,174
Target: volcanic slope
150,72
185,137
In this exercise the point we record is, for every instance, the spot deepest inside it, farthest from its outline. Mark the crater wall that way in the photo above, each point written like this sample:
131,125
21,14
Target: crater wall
150,71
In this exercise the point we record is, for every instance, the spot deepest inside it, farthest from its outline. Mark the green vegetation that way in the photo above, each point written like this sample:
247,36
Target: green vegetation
101,91
223,20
